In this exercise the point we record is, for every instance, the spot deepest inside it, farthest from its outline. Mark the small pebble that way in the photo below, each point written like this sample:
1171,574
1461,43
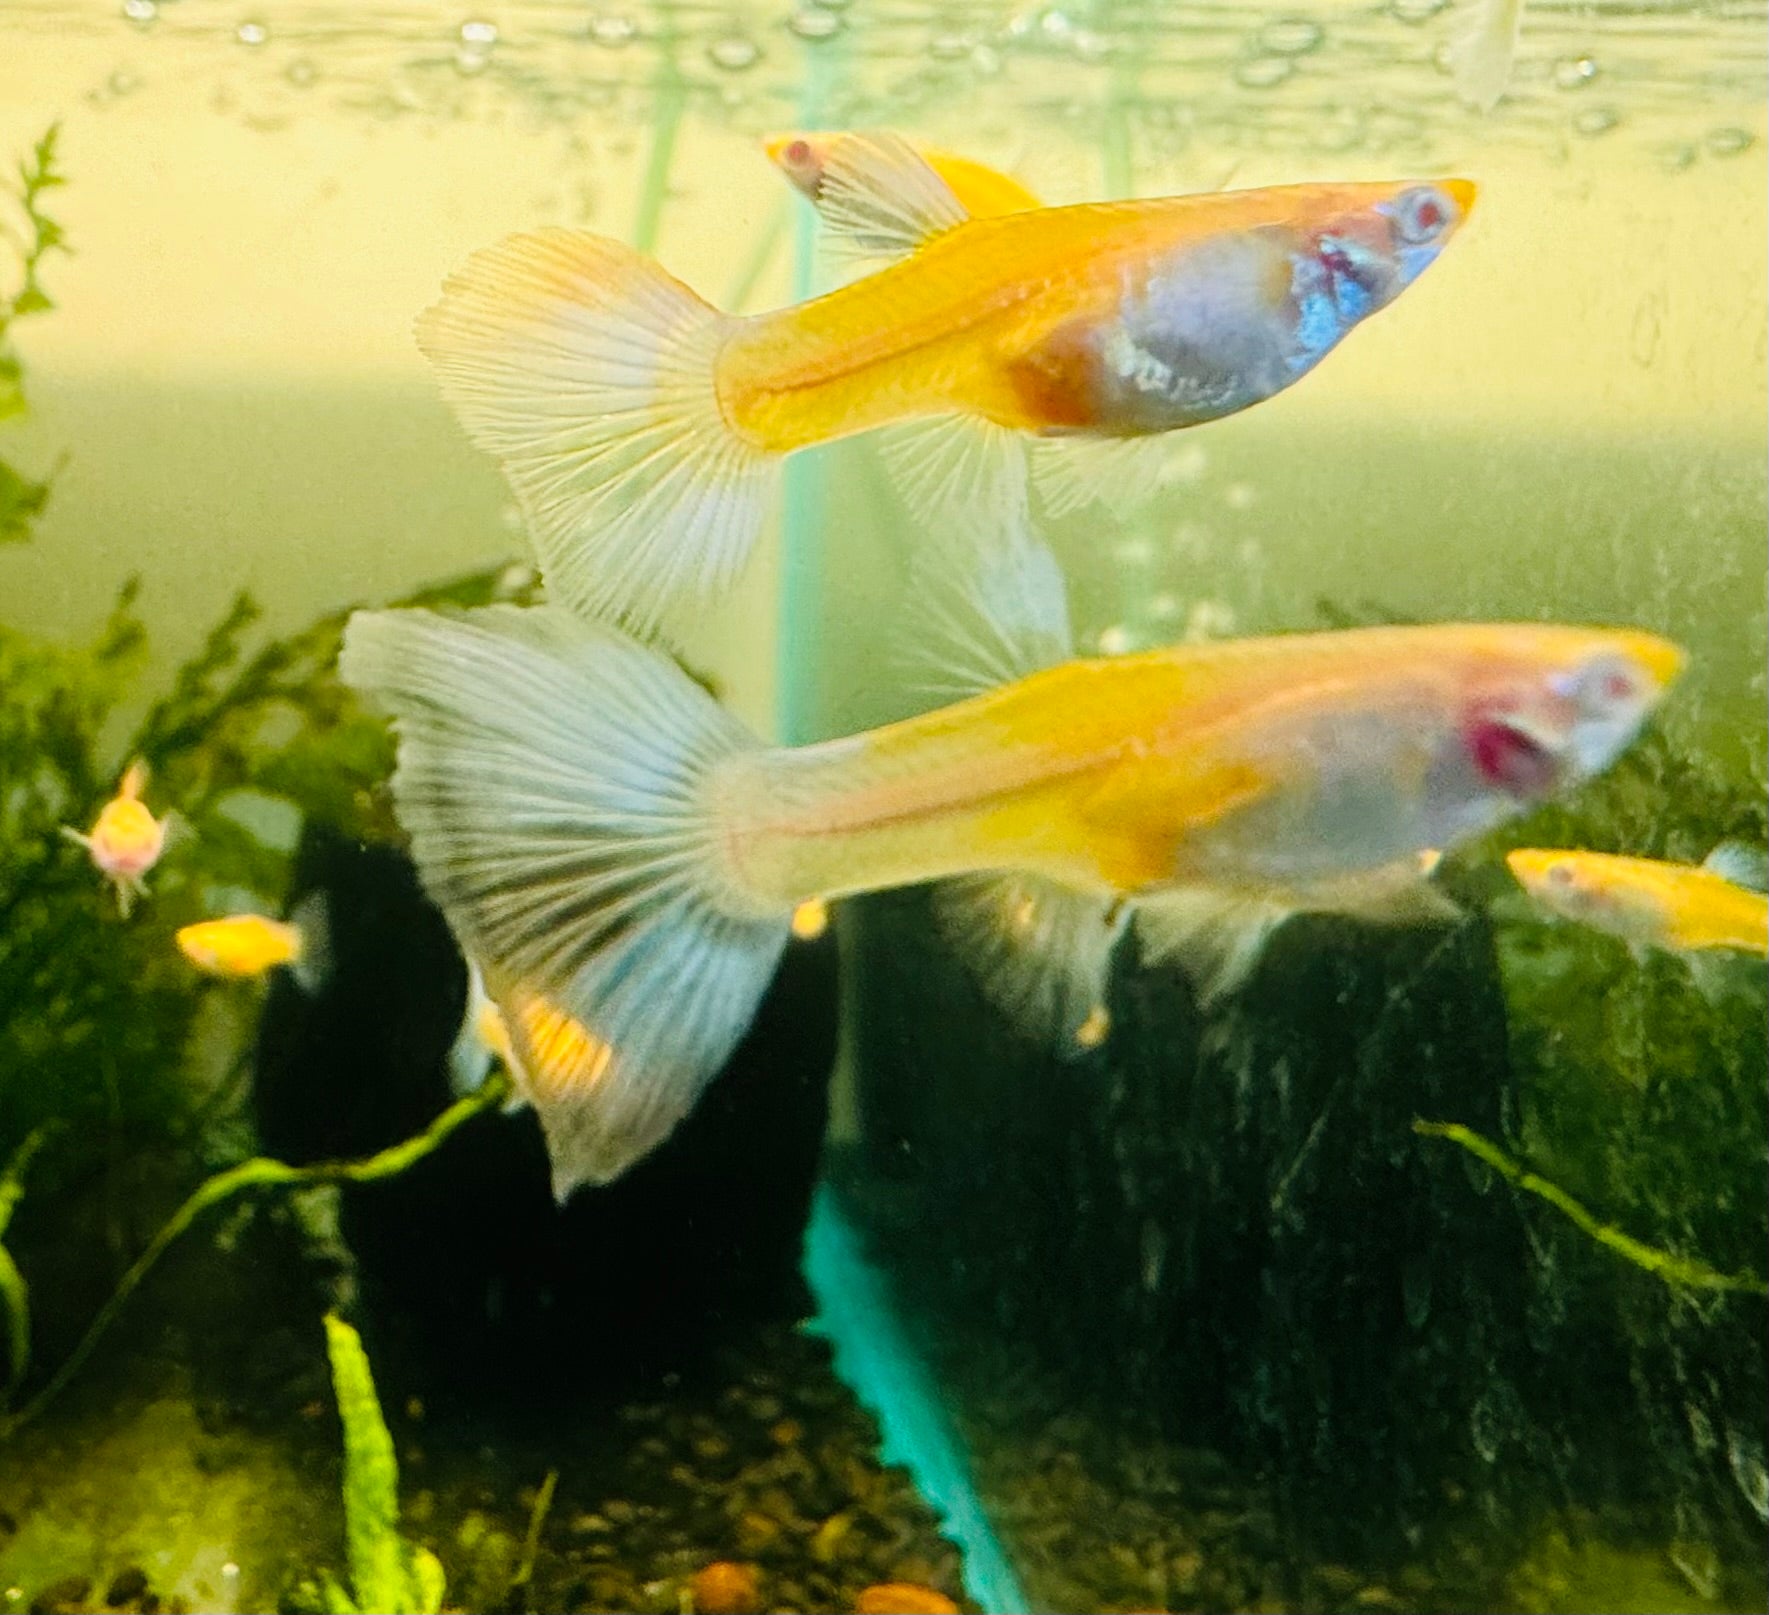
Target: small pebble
903,1598
724,1588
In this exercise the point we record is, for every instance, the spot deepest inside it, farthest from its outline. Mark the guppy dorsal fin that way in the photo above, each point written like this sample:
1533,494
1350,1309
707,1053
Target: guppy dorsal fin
984,620
877,194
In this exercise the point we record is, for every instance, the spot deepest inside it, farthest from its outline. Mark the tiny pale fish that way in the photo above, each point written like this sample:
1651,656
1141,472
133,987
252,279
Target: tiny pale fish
125,840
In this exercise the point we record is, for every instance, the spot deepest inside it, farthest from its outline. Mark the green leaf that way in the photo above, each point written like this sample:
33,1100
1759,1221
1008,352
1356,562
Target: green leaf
371,1479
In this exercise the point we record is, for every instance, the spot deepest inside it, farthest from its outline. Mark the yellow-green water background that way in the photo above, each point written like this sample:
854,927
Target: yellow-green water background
1565,419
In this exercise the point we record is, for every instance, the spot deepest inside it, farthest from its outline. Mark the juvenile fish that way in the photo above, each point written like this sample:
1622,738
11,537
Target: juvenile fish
642,430
244,946
125,840
606,840
1649,902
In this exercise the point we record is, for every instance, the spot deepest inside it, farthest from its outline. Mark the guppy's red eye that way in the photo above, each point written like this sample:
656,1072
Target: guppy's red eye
1508,758
1421,214
798,153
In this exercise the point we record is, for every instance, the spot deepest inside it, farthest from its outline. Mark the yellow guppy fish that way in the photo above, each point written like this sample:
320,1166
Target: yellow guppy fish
244,946
1649,902
642,430
610,843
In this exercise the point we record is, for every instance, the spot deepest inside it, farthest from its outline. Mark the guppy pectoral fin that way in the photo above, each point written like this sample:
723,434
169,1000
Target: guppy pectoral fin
878,194
1042,952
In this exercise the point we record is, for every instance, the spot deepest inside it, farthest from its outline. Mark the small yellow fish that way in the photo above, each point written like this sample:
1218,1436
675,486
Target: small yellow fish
1647,902
808,159
125,840
642,430
618,851
244,946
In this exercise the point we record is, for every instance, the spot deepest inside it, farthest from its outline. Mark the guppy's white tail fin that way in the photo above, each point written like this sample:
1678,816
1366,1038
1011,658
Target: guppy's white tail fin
589,372
553,776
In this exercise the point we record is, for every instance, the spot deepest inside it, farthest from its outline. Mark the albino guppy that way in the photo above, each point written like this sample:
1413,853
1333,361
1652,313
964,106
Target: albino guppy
608,842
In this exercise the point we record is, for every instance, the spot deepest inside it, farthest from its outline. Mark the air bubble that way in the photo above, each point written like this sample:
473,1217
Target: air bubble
301,72
1239,496
734,52
122,82
1596,121
141,12
1114,641
814,24
613,30
251,32
1574,72
1264,72
1088,46
469,62
1678,156
1414,12
1291,36
948,47
479,35
1729,142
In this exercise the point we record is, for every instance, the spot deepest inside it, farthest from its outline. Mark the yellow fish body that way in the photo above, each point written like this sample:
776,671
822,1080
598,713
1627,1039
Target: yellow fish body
242,947
642,430
125,840
611,844
1646,901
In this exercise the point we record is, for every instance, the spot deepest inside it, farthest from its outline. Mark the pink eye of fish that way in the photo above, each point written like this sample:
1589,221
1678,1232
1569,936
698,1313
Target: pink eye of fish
1508,758
798,154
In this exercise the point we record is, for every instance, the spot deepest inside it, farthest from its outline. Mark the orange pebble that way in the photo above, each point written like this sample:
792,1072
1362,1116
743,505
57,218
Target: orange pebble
724,1588
903,1598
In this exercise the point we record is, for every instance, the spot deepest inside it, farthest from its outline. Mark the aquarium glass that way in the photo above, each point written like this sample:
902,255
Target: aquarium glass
1425,1269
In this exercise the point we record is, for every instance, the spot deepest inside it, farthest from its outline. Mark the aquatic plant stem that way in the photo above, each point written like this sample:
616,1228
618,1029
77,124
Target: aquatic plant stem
15,1294
672,97
803,528
1680,1271
259,1173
